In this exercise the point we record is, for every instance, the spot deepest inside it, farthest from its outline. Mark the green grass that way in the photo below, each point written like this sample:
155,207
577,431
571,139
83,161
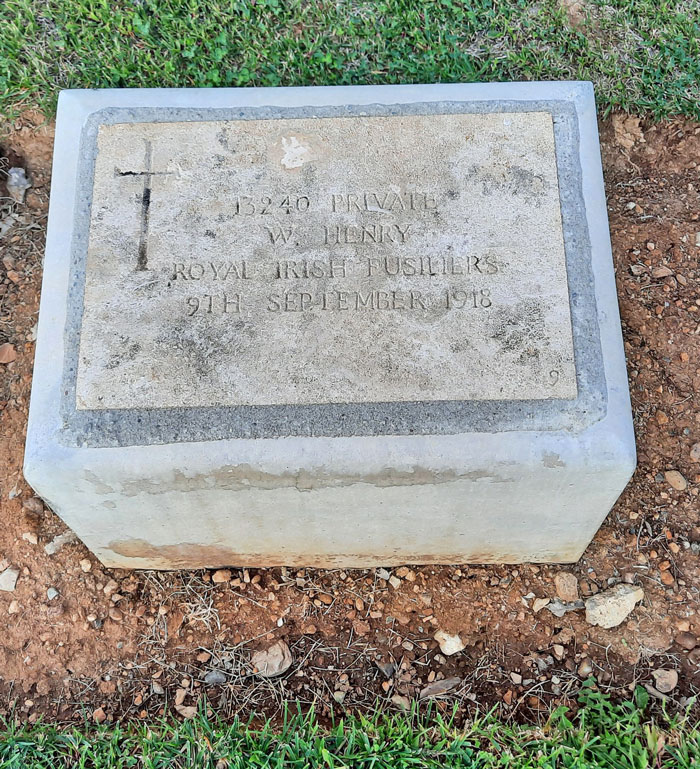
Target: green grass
602,734
643,55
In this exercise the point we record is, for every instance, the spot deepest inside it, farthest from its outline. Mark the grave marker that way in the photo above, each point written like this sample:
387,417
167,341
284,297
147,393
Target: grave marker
329,326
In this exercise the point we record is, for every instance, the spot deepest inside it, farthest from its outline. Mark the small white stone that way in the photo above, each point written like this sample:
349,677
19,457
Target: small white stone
449,644
17,184
539,603
395,582
8,579
59,541
52,593
611,607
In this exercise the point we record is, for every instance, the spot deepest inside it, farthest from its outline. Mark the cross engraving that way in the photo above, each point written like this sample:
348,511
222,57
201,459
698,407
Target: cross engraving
142,258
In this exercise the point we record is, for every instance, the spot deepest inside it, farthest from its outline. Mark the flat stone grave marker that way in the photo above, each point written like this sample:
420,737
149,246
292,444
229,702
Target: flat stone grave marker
345,326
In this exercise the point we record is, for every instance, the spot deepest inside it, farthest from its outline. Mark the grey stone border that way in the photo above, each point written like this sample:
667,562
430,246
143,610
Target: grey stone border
125,427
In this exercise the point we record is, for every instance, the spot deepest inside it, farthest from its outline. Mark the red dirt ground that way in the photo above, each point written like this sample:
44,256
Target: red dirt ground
136,644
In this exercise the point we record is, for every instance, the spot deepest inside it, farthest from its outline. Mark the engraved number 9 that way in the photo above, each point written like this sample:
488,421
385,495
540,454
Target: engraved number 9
553,377
193,305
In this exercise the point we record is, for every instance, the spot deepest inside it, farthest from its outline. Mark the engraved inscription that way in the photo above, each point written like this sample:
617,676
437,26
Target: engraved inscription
291,264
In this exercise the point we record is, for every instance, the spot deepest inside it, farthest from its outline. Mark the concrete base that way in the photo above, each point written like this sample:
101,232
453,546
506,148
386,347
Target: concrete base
507,481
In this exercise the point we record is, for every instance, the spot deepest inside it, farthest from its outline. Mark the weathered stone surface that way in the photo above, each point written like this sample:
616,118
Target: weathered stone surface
449,644
327,407
8,579
612,607
386,267
273,661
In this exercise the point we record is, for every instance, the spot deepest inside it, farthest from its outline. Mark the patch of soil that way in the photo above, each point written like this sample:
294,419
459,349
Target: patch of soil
136,644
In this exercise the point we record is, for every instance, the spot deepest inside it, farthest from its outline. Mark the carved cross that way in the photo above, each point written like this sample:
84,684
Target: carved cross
142,258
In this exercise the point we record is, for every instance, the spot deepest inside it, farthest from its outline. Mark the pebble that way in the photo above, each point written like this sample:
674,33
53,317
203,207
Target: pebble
383,574
667,578
438,688
516,678
99,716
13,608
8,580
387,668
449,644
220,576
58,542
7,353
17,184
676,480
215,678
395,582
157,688
560,608
665,680
52,593
695,453
611,607
31,537
539,603
585,669
686,640
401,702
273,661
34,505
85,565
566,586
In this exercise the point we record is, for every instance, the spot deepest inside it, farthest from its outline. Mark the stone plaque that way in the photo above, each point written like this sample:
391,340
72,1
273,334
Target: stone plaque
349,259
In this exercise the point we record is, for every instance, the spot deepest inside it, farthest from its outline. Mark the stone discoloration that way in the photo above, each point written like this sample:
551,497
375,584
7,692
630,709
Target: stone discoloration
243,477
138,553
